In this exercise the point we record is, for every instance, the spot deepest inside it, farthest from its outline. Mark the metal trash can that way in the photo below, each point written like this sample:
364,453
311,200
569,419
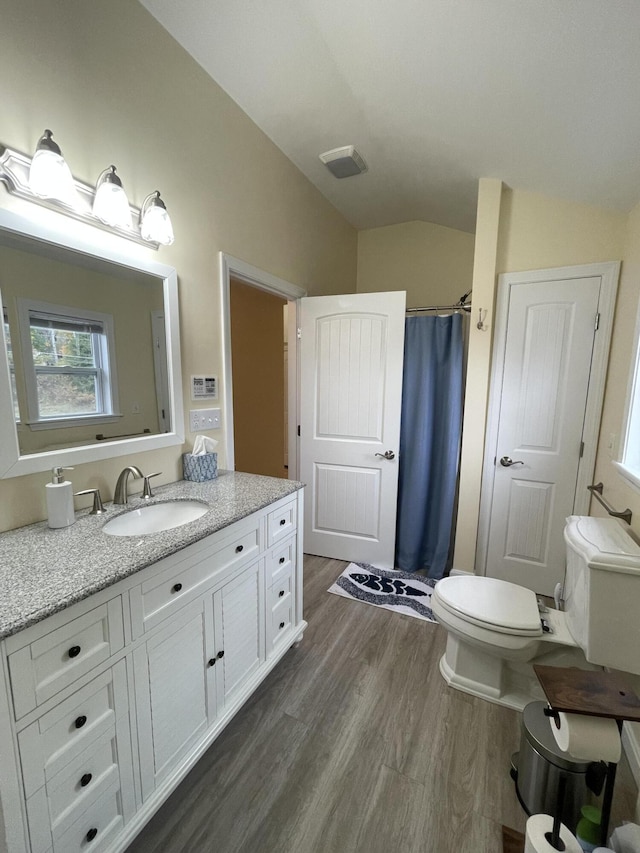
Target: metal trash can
539,765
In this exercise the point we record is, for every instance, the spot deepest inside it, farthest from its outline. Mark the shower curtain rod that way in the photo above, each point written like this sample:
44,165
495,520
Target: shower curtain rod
466,306
460,304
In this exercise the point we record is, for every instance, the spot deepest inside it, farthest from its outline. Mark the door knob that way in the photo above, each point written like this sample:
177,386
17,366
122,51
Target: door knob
507,462
388,454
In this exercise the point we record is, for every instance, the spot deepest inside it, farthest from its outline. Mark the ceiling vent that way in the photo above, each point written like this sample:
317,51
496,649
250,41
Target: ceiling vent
344,162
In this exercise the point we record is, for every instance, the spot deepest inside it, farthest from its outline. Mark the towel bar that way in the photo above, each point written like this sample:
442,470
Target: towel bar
596,490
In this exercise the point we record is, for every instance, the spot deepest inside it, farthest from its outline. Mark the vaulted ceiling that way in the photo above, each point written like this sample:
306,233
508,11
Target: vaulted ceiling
544,94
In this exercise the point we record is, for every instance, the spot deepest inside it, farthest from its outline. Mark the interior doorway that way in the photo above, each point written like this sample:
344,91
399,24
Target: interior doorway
259,388
258,353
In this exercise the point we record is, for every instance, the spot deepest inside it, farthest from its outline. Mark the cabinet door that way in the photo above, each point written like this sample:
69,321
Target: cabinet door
239,611
175,691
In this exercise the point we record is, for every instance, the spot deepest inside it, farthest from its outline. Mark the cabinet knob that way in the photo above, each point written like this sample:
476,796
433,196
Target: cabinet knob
281,593
176,587
281,560
283,521
282,625
221,654
74,651
211,662
239,548
91,834
80,721
85,779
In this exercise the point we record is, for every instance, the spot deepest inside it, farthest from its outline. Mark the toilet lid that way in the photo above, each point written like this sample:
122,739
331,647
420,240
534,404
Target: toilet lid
491,603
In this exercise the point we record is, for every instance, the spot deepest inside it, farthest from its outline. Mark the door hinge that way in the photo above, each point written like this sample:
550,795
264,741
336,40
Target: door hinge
298,429
581,449
597,325
299,333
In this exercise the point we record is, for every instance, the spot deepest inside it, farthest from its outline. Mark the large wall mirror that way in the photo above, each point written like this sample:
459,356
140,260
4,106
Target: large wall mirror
89,349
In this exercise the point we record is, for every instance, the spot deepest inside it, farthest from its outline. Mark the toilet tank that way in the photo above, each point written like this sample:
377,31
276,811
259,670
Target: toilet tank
602,591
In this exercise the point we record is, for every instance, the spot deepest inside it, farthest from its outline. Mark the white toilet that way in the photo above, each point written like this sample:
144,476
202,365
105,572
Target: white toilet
496,630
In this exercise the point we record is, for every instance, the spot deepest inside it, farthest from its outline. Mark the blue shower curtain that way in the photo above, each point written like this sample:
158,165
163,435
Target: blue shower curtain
429,442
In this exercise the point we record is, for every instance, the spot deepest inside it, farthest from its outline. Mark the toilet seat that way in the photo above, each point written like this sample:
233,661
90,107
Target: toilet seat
492,604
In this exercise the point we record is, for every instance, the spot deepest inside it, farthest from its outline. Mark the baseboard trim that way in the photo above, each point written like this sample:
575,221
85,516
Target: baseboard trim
454,572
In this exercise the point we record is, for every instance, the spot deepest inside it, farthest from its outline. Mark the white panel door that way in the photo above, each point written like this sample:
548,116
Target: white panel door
545,381
351,353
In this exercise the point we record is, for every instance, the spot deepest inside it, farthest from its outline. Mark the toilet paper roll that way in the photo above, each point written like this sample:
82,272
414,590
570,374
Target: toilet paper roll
587,738
538,826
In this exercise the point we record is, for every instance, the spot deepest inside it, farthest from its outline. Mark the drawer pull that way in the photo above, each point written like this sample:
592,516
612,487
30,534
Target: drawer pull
80,721
91,834
281,593
281,560
281,625
211,662
85,779
239,548
221,654
74,651
176,587
283,521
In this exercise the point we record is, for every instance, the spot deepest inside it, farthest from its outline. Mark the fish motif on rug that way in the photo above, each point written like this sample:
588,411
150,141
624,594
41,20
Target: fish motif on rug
402,592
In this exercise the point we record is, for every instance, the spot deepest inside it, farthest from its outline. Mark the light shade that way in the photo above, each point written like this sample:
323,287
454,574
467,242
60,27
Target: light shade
155,224
49,175
111,204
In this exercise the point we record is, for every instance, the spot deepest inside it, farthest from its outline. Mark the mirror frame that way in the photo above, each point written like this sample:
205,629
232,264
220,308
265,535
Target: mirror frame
12,464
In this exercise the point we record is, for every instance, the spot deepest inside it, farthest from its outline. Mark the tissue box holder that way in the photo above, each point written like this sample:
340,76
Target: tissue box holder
200,468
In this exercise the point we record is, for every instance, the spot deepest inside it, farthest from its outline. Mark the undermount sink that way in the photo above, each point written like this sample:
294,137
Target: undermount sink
153,518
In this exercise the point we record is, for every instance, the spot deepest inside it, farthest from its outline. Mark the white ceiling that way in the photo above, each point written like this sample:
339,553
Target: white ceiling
544,94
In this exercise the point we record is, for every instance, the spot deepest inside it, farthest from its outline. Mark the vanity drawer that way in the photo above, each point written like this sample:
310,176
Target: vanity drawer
164,593
281,615
94,831
61,735
282,588
280,561
281,523
54,808
55,660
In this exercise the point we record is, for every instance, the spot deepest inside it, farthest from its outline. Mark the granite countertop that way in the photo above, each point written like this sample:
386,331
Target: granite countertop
42,571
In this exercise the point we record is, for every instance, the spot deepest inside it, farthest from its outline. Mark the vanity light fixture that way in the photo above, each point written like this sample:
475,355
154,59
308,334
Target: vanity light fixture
49,175
111,204
155,224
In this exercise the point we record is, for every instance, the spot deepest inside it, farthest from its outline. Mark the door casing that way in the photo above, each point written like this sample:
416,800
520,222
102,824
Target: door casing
609,273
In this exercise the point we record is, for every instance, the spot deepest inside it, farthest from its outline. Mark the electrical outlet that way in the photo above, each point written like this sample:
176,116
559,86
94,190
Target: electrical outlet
204,419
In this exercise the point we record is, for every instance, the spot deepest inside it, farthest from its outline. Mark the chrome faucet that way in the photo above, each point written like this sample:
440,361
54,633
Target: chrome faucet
121,495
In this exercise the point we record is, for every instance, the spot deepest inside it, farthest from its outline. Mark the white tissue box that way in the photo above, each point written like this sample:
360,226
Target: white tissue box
200,468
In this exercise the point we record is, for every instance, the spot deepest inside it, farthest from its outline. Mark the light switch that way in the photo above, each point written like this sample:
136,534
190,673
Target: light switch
204,419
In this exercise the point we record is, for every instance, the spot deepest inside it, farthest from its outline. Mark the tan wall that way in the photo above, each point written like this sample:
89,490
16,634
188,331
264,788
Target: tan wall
534,232
257,353
432,263
116,88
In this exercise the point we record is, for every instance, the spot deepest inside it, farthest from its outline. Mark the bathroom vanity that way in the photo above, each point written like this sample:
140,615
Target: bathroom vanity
123,657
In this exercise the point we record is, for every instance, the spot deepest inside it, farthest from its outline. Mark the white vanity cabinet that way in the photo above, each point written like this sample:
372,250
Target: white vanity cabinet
108,704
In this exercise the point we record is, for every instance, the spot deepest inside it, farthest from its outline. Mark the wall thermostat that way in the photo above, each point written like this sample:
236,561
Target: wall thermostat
204,387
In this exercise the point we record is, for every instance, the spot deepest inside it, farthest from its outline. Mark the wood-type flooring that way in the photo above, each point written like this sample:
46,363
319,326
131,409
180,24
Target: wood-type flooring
353,744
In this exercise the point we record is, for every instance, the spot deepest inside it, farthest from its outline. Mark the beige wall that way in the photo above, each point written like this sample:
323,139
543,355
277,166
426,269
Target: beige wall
115,88
432,263
257,355
534,232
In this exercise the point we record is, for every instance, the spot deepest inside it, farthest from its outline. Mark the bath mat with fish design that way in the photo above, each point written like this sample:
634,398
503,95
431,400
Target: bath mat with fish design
403,592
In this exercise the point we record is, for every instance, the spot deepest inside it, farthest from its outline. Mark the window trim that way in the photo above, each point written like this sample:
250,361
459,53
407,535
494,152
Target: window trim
629,474
109,381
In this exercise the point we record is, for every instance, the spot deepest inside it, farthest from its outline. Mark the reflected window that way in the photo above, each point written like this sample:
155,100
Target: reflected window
12,368
68,354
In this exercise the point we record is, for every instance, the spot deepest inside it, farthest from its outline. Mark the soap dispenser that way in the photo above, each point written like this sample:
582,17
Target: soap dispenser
60,499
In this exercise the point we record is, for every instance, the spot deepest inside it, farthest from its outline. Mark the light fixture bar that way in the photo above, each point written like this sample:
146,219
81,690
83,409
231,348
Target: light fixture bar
14,173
